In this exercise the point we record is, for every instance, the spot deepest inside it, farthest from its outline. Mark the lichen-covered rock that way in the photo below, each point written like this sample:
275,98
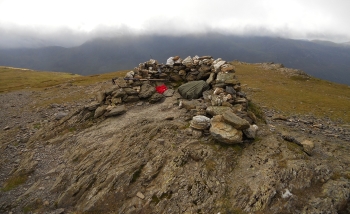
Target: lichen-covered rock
100,96
224,132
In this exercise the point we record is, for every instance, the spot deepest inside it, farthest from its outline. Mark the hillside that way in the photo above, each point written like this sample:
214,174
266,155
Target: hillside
58,158
321,59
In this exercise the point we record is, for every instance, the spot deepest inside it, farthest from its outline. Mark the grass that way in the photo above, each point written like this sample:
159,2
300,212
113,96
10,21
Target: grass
14,182
296,94
13,79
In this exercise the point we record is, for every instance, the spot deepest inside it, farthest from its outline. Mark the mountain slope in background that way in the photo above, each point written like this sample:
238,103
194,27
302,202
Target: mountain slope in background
321,59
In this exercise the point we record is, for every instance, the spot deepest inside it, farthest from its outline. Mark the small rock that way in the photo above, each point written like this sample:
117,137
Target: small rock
189,104
7,128
140,195
200,122
251,131
308,146
60,115
156,97
169,93
160,141
58,211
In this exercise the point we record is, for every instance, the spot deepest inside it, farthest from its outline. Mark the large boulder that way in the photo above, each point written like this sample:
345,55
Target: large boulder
224,132
193,90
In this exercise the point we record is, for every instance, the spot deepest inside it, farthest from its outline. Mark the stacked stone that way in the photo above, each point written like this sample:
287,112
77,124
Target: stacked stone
222,110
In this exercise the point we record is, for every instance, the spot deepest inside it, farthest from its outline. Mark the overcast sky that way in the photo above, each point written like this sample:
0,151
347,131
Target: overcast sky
72,22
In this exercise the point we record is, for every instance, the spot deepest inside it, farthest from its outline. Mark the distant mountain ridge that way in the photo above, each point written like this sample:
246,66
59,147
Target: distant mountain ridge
325,60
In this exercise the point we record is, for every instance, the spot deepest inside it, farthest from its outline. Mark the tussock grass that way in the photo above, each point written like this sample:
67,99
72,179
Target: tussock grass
294,95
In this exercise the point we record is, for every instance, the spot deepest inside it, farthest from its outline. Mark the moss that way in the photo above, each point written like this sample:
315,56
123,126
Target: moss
136,174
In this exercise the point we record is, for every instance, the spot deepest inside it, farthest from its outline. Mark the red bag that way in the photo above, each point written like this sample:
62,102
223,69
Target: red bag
161,89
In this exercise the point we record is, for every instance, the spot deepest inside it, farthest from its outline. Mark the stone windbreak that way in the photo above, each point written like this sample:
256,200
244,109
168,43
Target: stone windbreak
209,91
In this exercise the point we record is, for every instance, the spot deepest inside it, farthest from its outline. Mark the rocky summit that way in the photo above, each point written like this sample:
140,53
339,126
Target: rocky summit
179,137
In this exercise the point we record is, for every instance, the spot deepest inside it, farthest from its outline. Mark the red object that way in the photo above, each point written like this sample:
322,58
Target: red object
161,89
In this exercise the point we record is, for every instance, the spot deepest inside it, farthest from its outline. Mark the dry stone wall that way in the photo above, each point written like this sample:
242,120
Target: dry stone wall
209,88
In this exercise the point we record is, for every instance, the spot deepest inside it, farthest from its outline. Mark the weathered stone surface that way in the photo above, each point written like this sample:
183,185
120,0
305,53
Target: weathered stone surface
218,64
130,91
308,146
100,96
116,100
130,99
235,121
100,111
169,92
251,131
118,93
211,78
156,97
60,115
189,104
227,68
224,77
225,133
92,106
188,62
146,91
118,110
193,90
200,122
217,110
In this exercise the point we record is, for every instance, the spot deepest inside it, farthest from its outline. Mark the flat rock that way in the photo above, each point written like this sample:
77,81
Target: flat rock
225,133
189,104
100,111
216,110
118,110
140,195
200,122
235,121
169,93
92,106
